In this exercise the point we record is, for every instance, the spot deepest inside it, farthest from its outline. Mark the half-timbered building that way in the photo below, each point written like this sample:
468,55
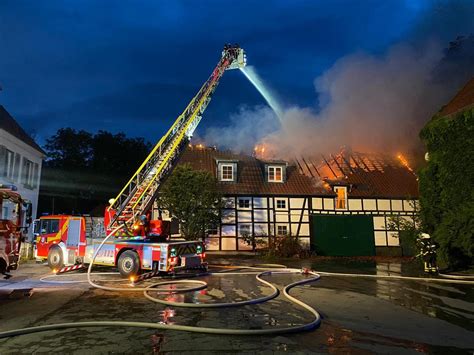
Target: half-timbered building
337,205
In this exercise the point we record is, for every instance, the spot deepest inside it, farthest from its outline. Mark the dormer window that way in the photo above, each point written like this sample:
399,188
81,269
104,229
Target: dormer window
341,197
275,173
227,171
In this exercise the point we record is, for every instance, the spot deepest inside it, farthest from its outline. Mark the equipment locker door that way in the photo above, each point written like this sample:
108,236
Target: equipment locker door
73,233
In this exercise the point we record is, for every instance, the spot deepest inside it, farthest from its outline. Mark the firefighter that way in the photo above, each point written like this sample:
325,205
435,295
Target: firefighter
109,215
428,249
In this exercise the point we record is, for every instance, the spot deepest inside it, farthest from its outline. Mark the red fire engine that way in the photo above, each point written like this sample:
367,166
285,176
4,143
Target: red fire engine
72,240
15,220
140,241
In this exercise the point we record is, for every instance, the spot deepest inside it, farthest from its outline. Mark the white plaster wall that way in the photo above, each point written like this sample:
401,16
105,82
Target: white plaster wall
380,239
245,216
397,205
370,204
329,204
228,230
384,205
17,146
297,203
355,204
281,217
317,203
379,222
260,215
393,239
228,216
229,244
260,202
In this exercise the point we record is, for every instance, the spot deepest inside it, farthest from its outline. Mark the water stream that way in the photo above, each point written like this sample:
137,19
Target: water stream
269,97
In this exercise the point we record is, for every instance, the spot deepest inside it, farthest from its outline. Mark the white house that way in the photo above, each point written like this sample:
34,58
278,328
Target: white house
337,205
20,161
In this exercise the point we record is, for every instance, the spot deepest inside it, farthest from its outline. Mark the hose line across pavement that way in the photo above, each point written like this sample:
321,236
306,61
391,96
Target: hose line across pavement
195,285
259,271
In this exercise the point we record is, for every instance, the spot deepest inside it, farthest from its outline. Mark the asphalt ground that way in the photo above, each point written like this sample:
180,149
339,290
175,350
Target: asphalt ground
359,315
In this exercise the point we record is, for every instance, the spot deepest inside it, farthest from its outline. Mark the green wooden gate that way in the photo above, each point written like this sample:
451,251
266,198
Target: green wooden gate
342,235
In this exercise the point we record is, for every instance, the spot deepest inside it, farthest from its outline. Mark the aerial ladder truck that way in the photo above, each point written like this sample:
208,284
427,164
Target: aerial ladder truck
65,242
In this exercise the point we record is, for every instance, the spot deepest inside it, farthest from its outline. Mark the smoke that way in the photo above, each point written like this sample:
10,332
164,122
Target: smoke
246,127
370,103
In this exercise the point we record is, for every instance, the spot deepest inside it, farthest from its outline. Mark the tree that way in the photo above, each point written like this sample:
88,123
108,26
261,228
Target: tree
446,193
83,170
193,198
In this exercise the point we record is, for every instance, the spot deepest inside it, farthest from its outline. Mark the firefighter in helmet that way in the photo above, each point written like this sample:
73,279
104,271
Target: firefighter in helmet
427,247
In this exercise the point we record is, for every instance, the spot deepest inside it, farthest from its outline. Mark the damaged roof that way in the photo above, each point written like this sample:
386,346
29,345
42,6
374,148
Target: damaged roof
250,175
8,124
365,175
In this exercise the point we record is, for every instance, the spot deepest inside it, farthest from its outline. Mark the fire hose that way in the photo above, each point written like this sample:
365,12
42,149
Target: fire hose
258,271
158,288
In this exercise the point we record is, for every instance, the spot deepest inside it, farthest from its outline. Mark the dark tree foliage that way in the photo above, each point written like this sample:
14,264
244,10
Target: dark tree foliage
192,197
446,186
83,171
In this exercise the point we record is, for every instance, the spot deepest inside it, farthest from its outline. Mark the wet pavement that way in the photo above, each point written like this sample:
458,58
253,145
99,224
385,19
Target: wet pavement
359,315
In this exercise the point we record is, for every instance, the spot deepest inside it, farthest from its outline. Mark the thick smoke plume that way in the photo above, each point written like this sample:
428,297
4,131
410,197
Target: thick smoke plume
372,104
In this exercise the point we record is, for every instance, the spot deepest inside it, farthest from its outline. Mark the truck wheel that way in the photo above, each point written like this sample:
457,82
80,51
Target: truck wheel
55,258
3,266
128,263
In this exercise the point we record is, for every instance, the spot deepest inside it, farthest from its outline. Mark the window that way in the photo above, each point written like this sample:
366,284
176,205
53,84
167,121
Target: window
29,174
275,174
227,172
9,164
244,203
341,197
282,230
281,203
49,226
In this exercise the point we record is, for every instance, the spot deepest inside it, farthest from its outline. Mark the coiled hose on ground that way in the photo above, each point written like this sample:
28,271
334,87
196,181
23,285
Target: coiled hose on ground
158,288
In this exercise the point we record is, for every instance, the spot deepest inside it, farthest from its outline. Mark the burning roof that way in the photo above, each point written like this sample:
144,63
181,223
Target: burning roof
366,175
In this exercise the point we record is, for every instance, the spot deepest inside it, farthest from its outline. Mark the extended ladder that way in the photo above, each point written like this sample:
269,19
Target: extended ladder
138,195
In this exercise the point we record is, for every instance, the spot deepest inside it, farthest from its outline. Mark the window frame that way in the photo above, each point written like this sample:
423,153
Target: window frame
246,201
338,199
277,201
272,170
226,165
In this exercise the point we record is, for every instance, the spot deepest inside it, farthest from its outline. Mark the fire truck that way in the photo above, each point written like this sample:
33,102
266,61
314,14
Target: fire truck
141,241
15,214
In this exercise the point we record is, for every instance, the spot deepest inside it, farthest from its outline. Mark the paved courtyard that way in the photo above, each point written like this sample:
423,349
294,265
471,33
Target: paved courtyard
359,315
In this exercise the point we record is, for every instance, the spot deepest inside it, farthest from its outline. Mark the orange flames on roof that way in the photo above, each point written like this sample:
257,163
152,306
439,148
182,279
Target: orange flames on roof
404,162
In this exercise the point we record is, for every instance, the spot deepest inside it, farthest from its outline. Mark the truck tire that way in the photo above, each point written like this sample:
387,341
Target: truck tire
3,266
55,258
128,263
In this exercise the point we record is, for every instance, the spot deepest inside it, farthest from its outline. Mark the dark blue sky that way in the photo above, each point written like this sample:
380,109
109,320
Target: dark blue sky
133,65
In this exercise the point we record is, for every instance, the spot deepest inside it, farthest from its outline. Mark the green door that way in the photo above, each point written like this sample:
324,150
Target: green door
342,235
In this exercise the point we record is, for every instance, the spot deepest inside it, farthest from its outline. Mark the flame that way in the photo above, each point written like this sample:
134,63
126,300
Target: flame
404,162
260,150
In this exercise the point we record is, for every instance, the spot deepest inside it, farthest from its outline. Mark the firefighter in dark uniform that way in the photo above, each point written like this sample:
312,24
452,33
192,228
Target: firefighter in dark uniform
427,248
